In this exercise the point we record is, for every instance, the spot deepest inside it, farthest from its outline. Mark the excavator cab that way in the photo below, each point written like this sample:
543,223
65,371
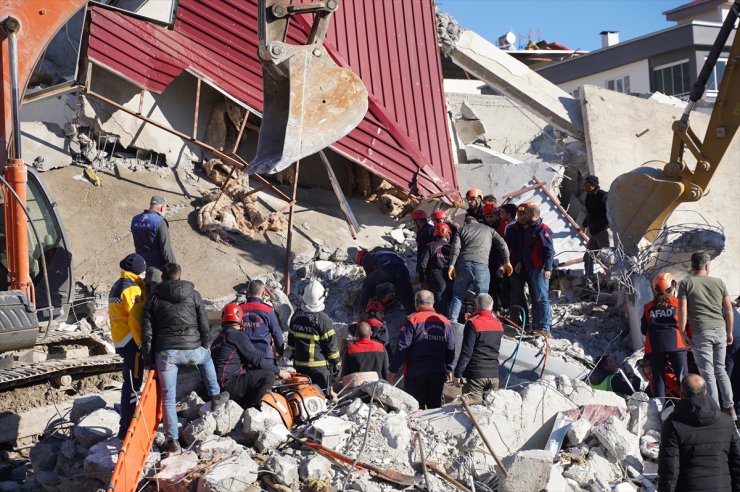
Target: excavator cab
646,196
309,101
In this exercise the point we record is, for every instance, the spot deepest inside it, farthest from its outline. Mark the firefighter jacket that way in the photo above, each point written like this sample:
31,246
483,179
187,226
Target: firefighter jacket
531,246
233,354
436,257
426,345
313,341
480,347
366,355
125,305
380,258
660,325
423,237
152,239
263,327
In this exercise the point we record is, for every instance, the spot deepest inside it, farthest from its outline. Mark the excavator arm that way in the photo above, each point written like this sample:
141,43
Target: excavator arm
641,200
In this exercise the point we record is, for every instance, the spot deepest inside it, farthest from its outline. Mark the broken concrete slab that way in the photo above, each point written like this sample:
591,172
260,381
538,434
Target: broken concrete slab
223,446
269,439
468,126
579,431
392,397
528,470
315,467
605,468
235,474
173,470
226,418
85,404
199,429
329,431
284,469
617,440
514,79
97,426
102,459
615,124
396,431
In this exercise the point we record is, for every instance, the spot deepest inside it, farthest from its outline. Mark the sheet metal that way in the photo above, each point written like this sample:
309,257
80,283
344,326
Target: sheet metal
391,45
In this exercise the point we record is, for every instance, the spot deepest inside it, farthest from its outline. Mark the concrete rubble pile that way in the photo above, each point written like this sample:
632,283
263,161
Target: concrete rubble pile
606,441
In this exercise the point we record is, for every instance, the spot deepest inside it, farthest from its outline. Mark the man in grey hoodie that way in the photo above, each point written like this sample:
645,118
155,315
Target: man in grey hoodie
469,262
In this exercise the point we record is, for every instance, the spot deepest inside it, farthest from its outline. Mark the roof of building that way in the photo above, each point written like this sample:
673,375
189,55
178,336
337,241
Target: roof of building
404,137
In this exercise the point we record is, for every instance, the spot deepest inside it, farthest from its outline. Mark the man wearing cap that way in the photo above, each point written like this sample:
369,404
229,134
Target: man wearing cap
596,221
125,305
152,238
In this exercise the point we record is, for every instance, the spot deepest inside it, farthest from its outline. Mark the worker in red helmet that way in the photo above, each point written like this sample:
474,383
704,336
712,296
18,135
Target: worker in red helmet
434,264
383,265
424,235
663,339
375,318
439,217
474,197
241,369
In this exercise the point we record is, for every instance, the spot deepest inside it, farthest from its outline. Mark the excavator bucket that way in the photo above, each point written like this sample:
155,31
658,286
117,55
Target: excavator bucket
309,101
646,199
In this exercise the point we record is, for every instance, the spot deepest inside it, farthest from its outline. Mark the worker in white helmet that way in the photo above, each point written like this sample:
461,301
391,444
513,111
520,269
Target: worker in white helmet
312,339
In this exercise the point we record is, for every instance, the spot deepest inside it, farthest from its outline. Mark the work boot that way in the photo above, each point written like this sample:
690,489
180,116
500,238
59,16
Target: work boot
172,447
219,401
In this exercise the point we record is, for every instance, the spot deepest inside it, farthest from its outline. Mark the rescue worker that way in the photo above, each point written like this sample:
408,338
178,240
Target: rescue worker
312,339
478,361
663,337
732,356
175,332
533,253
261,324
474,197
375,313
469,260
434,264
151,234
596,222
365,354
424,236
425,352
491,219
507,215
125,306
384,265
490,199
440,217
240,367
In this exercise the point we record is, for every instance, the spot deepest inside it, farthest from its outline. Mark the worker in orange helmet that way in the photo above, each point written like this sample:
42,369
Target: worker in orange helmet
474,197
663,339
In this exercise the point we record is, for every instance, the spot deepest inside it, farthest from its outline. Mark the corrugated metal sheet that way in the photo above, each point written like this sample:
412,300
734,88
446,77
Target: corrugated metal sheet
391,45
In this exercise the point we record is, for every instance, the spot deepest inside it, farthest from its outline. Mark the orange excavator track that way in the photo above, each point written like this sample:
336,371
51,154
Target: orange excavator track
139,439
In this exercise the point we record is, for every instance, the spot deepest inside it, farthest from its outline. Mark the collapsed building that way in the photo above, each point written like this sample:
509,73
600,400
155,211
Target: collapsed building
154,112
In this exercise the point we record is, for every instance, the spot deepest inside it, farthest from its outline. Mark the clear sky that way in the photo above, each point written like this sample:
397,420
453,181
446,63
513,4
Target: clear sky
574,23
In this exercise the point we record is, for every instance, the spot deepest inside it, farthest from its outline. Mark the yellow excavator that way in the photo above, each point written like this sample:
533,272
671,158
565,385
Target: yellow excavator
664,186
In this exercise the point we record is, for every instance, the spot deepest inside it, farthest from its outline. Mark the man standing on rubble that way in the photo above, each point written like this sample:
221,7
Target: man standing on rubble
491,219
471,251
478,361
434,265
125,306
699,446
240,366
151,234
474,197
425,351
533,253
596,222
312,339
365,354
260,323
424,236
175,332
702,300
383,265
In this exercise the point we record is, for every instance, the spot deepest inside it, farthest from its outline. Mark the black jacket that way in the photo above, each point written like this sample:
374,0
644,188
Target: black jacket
436,257
174,319
423,237
313,341
480,347
233,353
596,220
366,355
699,449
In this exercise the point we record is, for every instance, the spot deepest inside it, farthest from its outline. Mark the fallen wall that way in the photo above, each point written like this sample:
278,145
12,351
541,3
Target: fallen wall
623,132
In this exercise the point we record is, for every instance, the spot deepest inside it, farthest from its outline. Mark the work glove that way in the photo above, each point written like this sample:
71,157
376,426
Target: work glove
451,273
508,269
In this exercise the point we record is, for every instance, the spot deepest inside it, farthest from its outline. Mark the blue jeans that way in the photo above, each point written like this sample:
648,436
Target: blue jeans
166,363
466,273
541,311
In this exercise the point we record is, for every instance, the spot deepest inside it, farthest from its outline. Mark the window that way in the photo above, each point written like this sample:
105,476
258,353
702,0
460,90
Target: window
672,80
620,85
716,77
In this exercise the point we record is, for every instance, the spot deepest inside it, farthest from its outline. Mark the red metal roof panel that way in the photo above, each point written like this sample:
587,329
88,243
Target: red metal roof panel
391,45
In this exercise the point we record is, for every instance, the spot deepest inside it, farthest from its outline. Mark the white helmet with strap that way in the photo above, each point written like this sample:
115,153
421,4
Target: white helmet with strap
313,296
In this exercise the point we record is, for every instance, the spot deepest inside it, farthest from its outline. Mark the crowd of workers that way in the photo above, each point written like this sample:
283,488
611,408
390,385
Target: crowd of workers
159,321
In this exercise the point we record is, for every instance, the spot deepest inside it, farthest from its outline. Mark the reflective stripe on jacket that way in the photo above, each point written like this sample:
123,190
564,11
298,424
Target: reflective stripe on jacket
660,327
312,339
